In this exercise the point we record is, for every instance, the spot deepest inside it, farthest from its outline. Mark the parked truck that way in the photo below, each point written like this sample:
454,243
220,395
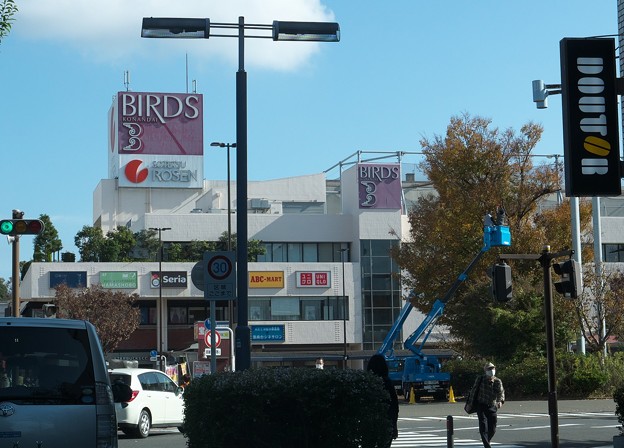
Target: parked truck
420,372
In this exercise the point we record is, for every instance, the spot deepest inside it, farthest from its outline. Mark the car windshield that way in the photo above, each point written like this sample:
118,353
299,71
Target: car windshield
43,365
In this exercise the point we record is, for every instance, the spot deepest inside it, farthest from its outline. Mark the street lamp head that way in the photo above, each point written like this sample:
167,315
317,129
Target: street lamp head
307,31
172,28
223,145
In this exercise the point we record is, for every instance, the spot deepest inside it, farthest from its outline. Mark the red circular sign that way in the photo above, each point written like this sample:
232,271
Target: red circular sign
207,338
219,267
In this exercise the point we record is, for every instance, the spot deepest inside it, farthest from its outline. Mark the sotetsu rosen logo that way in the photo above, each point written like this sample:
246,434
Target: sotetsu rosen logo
134,172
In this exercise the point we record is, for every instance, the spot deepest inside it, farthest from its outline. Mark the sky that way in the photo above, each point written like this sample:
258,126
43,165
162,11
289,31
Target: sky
401,71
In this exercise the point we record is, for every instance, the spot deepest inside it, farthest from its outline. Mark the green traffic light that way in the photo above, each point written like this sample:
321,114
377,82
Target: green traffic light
6,227
15,227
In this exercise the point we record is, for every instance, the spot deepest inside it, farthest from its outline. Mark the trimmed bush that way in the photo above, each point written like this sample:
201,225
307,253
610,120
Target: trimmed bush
279,408
580,376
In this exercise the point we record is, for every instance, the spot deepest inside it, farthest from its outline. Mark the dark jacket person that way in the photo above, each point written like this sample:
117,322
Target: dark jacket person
490,397
377,364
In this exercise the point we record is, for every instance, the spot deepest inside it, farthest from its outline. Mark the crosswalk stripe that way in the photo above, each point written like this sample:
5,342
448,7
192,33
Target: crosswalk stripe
433,438
506,416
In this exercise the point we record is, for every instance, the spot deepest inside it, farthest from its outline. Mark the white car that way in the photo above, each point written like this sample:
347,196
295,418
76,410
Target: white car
156,401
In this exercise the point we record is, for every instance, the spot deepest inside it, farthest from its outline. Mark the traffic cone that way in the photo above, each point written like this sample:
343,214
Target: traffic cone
412,398
451,396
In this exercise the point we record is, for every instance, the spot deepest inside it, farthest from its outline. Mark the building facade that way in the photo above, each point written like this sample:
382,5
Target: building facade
326,274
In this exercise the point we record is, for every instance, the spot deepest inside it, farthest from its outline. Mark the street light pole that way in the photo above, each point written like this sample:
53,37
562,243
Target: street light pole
229,216
243,332
343,252
229,205
159,304
192,28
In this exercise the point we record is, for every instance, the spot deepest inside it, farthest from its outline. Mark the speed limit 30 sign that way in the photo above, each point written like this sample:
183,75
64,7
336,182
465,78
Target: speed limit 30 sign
219,275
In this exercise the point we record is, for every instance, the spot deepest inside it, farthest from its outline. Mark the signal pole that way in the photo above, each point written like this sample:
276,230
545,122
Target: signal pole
13,228
15,304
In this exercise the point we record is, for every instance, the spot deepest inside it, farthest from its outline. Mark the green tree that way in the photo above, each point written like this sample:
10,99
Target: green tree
254,247
147,245
47,243
118,245
8,9
5,290
476,168
193,251
113,313
90,242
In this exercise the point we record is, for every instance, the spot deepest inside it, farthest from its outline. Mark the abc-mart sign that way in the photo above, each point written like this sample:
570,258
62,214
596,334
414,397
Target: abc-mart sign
161,171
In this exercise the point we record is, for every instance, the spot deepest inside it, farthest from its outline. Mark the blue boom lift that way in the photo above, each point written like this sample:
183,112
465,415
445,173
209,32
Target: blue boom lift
421,372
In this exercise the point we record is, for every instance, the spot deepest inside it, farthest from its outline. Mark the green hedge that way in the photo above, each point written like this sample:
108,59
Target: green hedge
307,408
578,376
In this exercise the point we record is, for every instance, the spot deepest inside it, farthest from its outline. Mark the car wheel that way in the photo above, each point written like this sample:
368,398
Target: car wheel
145,423
181,429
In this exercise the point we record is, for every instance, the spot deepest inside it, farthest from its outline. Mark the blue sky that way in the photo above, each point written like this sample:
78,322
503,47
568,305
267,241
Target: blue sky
402,69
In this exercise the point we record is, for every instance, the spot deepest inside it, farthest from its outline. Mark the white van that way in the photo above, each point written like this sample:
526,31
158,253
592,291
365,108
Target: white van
54,386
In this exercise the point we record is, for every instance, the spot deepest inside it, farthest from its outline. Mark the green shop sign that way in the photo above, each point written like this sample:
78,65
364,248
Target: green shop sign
124,280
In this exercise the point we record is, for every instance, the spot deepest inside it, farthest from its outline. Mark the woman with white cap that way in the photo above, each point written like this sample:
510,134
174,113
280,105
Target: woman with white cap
490,397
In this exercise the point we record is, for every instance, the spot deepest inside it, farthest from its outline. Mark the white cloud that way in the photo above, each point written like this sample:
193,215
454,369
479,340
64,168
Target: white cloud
109,30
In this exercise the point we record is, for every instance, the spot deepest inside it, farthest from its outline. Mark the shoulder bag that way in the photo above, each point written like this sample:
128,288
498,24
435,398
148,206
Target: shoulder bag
471,400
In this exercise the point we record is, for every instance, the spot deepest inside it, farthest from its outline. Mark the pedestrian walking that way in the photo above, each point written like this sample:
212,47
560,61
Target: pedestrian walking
490,396
377,364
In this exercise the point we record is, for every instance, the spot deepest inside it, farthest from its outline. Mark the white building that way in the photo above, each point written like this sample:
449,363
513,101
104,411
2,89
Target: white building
300,222
306,223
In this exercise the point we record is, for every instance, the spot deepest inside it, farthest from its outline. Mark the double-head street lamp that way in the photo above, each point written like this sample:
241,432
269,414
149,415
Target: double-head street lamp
159,304
193,28
229,206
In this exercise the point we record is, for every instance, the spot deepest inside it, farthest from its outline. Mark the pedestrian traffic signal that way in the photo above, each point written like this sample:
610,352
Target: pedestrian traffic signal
571,283
15,227
501,282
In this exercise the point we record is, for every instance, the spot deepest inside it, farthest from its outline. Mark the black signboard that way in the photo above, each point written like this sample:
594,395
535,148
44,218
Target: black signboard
73,279
590,117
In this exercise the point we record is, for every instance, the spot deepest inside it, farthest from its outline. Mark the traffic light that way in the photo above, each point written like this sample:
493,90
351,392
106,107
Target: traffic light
15,227
571,283
501,282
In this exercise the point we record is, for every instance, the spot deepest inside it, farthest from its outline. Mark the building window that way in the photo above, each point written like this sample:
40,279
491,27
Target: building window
307,252
148,313
177,315
613,253
294,252
297,308
381,291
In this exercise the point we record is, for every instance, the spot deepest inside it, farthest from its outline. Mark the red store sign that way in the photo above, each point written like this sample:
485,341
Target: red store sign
313,279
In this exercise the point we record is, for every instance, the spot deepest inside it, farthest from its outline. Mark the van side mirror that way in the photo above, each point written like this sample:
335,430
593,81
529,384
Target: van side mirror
121,392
